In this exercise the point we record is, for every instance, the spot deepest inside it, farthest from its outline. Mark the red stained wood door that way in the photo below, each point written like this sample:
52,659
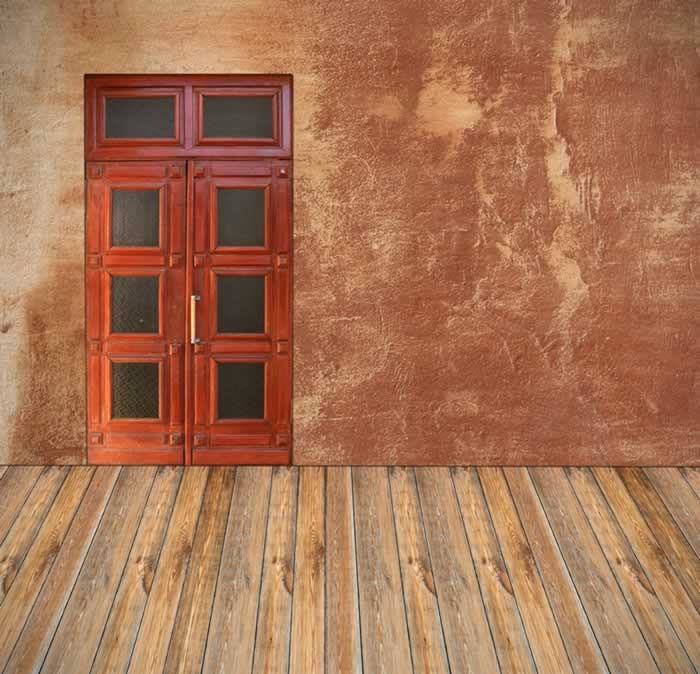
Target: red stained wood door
240,312
188,311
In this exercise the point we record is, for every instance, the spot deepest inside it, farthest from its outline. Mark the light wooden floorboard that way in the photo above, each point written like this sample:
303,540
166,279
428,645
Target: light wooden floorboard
512,647
78,634
15,486
343,639
422,610
581,644
121,630
189,637
307,654
348,570
26,525
60,548
468,639
151,646
540,625
231,641
272,640
636,587
681,501
617,632
685,561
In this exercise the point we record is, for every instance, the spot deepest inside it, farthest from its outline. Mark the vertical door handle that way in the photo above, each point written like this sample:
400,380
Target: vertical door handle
193,319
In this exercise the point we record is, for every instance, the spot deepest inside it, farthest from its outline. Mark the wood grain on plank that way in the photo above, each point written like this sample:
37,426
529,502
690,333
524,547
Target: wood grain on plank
576,632
308,602
512,647
680,500
78,634
27,523
636,587
619,637
343,647
422,611
468,640
659,570
14,489
692,475
540,624
232,633
151,647
671,539
63,539
272,638
186,652
125,616
382,611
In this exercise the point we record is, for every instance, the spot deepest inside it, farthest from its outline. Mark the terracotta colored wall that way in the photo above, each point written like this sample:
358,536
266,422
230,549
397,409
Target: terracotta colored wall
496,214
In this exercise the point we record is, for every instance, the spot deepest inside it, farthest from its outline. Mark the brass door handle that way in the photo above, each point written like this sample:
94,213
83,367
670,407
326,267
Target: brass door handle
193,319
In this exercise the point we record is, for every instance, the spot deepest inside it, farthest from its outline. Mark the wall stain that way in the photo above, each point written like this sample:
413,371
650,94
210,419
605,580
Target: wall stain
50,371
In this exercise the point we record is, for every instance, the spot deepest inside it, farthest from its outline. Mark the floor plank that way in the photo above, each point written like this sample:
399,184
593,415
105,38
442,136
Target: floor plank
189,638
540,625
124,620
14,489
468,640
671,539
307,654
272,639
512,646
343,639
156,628
232,633
581,645
60,548
78,634
382,611
666,584
619,637
680,500
692,475
356,571
27,523
422,610
651,618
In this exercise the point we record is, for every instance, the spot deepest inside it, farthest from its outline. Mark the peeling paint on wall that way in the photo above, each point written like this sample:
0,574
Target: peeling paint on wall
497,235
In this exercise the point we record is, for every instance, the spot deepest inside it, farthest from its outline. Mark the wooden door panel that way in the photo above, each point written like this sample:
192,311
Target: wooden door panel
135,308
240,272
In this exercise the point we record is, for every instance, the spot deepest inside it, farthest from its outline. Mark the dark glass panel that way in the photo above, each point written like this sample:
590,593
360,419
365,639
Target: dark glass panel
135,217
152,117
241,217
241,303
135,303
135,391
241,391
237,117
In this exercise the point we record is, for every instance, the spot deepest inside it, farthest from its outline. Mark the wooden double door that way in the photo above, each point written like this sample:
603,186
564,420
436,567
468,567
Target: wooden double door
188,311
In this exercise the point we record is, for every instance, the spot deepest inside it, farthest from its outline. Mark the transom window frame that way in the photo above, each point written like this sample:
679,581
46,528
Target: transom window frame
188,92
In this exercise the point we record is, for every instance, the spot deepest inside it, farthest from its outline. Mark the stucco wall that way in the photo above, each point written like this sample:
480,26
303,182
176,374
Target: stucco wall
497,236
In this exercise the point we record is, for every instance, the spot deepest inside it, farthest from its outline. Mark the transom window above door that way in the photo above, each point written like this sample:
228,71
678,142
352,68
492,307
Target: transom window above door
169,116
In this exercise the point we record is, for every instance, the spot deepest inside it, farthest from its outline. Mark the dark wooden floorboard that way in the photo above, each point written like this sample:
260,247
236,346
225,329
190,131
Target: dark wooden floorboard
308,570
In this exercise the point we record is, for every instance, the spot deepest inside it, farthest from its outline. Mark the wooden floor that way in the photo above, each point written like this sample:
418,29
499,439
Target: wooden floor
307,570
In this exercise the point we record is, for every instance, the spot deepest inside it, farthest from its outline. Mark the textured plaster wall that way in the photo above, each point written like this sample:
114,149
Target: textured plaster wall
497,235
